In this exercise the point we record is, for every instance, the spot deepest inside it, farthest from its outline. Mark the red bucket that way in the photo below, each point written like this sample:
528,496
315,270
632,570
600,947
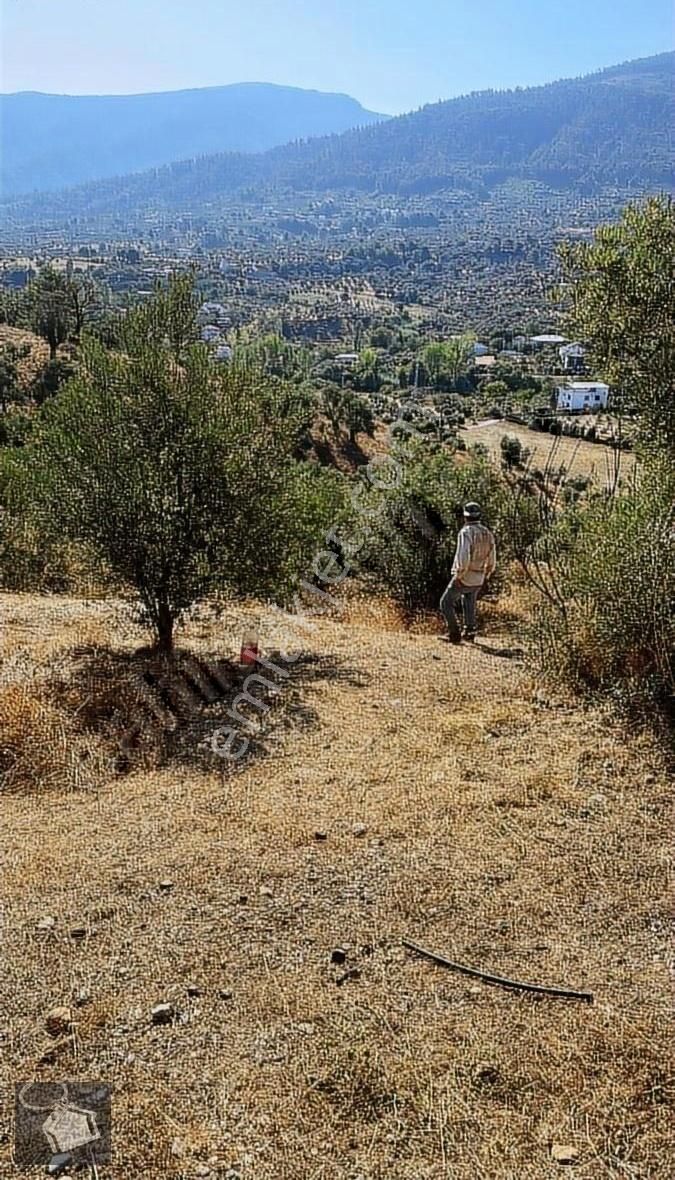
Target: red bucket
249,649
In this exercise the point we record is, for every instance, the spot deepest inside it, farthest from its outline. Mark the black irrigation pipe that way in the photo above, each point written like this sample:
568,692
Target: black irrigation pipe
499,979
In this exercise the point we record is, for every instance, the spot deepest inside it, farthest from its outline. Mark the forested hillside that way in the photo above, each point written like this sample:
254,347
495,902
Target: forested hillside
53,140
610,128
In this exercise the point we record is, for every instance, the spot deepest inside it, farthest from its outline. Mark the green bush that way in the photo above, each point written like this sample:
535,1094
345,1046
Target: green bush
31,558
410,527
609,625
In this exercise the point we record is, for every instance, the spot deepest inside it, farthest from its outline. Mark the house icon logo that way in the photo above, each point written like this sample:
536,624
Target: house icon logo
69,1127
64,1121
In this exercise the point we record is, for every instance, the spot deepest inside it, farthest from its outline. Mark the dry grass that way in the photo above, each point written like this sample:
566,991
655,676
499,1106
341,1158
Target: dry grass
578,456
32,364
504,826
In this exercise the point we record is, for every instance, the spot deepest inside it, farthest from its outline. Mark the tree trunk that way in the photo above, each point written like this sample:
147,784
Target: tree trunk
164,627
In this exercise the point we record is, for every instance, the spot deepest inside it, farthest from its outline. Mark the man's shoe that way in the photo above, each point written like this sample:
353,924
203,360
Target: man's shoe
469,636
452,638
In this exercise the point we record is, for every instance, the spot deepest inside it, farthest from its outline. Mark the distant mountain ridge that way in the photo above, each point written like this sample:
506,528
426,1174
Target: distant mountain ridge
611,128
51,141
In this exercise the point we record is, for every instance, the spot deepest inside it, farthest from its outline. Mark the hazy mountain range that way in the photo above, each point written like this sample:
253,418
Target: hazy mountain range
611,128
50,141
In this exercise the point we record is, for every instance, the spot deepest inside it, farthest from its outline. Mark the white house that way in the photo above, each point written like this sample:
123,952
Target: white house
480,349
210,332
347,358
577,396
546,339
572,357
224,353
212,313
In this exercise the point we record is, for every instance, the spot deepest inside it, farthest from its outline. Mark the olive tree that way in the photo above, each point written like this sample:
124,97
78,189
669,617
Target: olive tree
50,308
174,471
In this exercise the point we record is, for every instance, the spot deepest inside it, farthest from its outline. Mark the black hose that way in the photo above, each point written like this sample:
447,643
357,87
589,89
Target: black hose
499,979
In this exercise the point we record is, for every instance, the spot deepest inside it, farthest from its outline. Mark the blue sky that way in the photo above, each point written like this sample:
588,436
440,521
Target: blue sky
393,55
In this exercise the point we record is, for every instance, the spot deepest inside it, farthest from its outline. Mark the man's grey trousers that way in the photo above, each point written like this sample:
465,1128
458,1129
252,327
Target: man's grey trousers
467,595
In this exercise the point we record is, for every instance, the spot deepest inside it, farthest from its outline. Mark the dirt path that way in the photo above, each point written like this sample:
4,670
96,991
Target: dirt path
415,790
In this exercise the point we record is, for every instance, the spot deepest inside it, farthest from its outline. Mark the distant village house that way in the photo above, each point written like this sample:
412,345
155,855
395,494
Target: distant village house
578,396
572,357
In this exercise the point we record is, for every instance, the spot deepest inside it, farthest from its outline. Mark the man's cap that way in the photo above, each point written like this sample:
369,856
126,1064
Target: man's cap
472,511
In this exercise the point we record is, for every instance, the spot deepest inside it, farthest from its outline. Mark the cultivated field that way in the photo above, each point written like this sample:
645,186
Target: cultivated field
403,789
578,456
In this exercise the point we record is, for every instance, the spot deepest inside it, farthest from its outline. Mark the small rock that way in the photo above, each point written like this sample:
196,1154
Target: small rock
475,990
359,830
353,973
564,1153
46,924
178,1147
338,955
243,898
321,835
265,891
649,779
59,1022
82,997
78,933
202,1170
166,886
225,994
163,1014
58,1163
193,990
593,804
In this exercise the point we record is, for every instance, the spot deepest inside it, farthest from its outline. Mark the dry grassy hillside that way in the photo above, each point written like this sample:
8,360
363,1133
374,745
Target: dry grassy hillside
404,788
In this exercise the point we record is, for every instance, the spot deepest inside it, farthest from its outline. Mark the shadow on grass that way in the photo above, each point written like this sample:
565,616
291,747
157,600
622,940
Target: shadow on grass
504,653
150,709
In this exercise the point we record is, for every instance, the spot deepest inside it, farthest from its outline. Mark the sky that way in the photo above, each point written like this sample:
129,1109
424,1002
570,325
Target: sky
392,55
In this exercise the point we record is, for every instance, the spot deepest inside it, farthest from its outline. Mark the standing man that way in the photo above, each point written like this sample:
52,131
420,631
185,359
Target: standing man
475,561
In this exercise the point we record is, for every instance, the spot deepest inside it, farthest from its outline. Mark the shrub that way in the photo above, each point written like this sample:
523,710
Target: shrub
411,527
512,451
609,624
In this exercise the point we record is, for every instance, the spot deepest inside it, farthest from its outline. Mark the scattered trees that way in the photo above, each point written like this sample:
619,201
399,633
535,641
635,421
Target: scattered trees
622,289
346,410
448,360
